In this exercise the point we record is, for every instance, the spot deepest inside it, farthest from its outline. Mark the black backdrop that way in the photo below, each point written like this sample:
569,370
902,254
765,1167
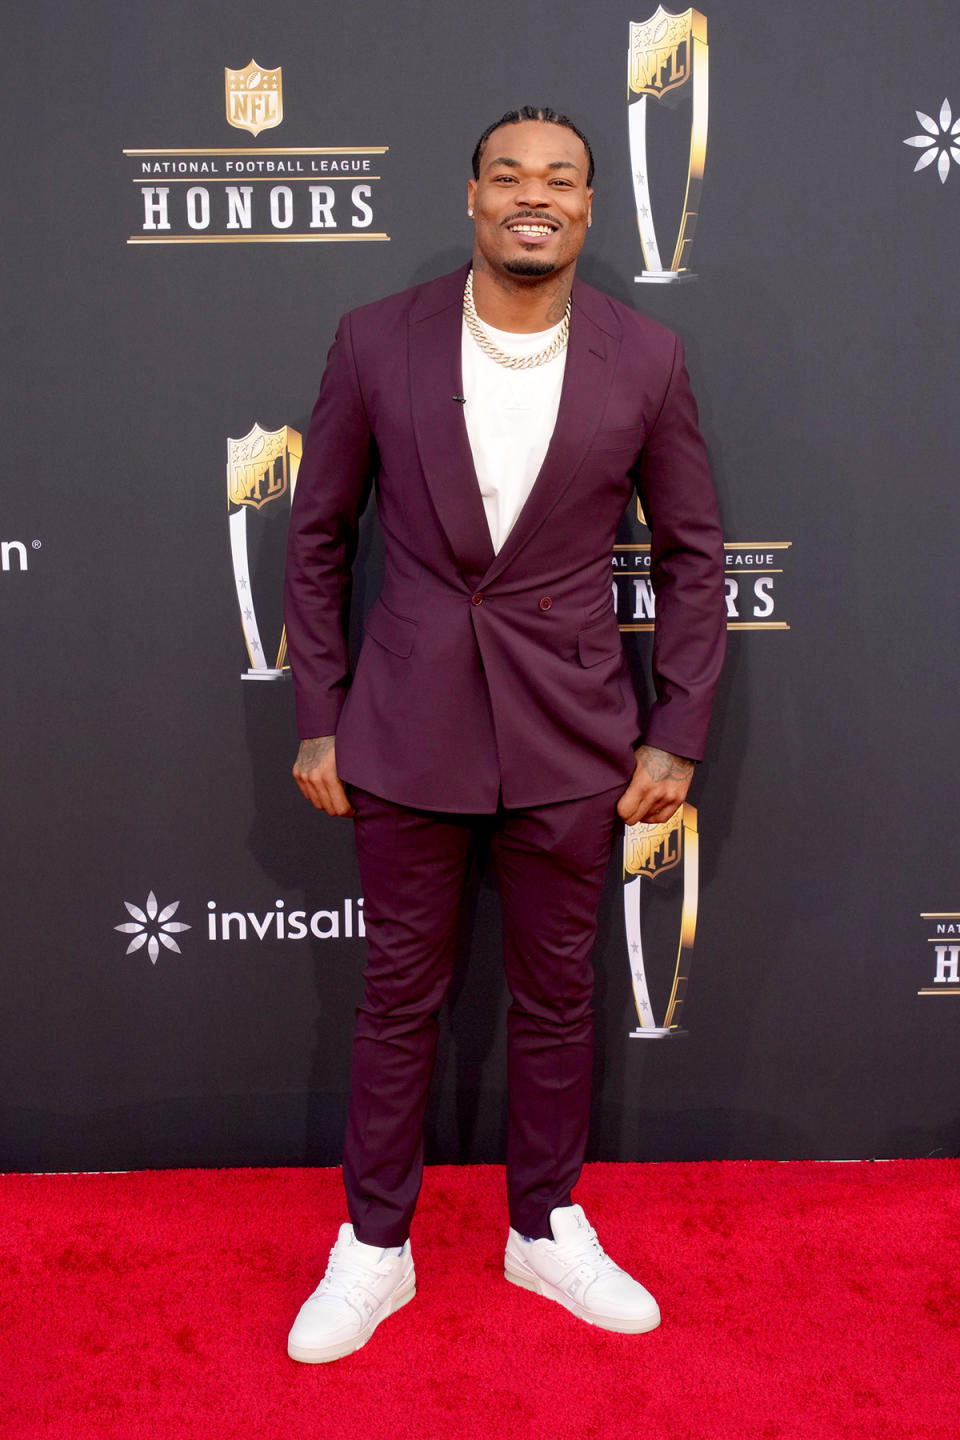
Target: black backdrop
820,335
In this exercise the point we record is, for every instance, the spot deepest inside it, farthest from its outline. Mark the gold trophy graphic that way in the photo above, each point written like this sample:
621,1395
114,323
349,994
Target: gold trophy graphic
667,61
649,851
262,470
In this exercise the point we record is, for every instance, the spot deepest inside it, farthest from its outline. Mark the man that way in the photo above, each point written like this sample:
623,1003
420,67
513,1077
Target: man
506,414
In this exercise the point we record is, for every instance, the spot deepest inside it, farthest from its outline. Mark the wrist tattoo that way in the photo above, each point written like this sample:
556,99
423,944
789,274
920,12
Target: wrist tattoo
313,751
661,765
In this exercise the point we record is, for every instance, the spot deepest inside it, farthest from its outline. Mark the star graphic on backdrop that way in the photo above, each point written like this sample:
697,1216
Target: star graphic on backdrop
940,142
152,927
634,946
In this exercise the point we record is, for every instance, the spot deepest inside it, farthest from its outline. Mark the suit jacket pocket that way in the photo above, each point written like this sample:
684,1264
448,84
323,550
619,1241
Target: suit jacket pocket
599,641
625,437
391,631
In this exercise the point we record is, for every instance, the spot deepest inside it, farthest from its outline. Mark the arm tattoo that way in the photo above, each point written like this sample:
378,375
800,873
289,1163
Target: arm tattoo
661,765
313,751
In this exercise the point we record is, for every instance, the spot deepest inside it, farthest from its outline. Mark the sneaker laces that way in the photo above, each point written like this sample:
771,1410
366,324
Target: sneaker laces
344,1272
587,1250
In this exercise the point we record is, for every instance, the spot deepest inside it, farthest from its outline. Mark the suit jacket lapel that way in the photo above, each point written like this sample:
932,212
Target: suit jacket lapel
439,424
591,361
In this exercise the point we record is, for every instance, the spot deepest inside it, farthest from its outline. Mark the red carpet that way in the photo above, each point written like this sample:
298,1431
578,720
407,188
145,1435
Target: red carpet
799,1300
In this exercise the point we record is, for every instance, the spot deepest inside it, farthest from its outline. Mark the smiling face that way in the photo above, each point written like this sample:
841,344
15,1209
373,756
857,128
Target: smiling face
531,204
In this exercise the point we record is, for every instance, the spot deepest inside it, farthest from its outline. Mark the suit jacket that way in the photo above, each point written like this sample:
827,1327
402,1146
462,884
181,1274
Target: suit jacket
486,675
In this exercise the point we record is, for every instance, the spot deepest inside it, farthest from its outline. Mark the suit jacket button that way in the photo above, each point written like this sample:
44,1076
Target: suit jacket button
477,599
545,602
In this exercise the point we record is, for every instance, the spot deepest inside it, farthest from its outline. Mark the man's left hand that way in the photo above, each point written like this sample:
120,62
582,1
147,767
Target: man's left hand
660,783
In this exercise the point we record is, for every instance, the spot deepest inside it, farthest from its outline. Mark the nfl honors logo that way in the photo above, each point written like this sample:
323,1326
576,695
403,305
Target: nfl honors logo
945,960
254,98
206,195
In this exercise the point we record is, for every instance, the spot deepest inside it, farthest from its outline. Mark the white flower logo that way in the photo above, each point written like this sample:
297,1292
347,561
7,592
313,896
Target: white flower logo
940,143
152,927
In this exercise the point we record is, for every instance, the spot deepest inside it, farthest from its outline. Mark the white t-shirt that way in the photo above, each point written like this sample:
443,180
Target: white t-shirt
510,416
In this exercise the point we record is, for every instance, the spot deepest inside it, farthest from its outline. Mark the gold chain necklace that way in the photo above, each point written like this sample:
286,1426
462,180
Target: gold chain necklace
513,362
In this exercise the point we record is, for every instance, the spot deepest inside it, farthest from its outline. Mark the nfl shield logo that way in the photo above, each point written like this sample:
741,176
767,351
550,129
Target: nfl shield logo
254,97
652,849
262,466
660,52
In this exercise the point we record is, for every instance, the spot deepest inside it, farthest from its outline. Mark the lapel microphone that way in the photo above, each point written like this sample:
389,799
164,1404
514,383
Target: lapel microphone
460,399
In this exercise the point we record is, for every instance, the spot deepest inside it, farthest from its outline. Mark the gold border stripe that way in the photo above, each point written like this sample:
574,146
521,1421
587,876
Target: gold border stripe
244,179
731,625
287,150
945,990
728,545
241,239
731,570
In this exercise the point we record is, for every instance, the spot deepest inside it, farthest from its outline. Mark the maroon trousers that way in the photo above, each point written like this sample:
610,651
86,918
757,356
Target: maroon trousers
550,863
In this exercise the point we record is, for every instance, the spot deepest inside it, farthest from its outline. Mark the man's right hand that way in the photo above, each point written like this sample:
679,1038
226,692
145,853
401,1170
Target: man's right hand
315,771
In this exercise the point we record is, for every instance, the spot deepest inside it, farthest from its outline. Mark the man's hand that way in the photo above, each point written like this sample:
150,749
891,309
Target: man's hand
660,783
315,771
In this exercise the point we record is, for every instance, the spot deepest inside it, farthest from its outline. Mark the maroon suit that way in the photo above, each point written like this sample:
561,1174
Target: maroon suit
492,684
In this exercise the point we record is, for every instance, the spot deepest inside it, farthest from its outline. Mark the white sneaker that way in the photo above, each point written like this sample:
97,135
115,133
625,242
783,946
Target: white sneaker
363,1284
574,1270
